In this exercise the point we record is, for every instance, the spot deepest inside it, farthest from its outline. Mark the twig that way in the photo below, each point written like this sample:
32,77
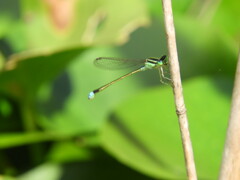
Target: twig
177,89
230,168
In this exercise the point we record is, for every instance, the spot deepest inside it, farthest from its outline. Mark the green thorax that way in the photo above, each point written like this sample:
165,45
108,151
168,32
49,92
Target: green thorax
153,62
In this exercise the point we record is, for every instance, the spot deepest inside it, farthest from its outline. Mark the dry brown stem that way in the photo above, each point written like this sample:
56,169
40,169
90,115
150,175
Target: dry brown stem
177,89
230,168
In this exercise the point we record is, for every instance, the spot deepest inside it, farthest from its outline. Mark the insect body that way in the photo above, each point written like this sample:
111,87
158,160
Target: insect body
116,63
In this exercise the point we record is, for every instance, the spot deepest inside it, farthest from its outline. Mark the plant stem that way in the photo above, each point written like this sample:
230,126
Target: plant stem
177,89
29,125
230,168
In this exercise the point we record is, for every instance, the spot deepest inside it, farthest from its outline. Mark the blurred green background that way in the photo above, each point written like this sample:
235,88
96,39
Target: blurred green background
50,130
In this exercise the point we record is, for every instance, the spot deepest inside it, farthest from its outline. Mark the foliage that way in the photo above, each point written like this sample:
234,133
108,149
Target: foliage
50,129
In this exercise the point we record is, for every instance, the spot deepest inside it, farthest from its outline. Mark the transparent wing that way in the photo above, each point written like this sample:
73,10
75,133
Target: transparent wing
113,63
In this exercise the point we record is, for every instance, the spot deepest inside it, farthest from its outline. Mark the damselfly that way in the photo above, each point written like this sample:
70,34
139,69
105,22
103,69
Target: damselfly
117,63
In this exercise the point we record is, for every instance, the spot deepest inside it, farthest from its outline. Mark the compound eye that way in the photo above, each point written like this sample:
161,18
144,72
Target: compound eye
163,57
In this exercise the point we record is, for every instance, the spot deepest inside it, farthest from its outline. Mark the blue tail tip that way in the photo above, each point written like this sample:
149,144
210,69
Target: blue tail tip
91,95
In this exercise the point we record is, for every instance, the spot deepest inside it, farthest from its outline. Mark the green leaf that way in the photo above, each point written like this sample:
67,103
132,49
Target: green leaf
5,108
83,22
45,171
5,22
7,178
102,167
179,7
227,18
24,74
2,60
68,152
143,132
